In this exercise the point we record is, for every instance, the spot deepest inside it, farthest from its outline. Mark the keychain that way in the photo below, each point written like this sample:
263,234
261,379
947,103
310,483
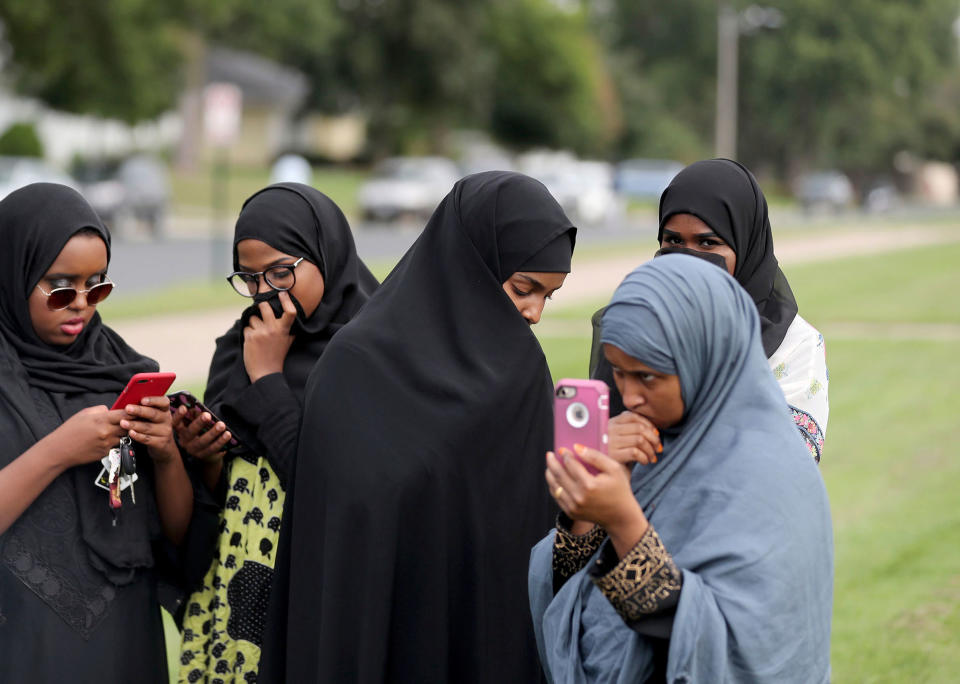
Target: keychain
119,472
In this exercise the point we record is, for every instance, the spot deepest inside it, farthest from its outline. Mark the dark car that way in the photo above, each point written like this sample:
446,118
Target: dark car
828,191
136,189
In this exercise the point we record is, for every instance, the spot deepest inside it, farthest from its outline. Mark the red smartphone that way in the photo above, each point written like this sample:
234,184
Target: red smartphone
196,407
144,385
581,411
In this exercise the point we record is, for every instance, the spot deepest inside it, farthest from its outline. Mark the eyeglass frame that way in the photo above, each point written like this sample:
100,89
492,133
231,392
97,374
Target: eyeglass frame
263,274
77,293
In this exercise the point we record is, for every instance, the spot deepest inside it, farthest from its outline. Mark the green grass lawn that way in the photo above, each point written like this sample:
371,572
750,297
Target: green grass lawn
890,463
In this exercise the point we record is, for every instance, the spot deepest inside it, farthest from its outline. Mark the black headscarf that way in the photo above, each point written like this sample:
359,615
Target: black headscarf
725,195
420,485
301,221
68,531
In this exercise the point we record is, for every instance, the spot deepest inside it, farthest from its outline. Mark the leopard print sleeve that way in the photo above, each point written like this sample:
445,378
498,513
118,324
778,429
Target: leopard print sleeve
643,584
571,552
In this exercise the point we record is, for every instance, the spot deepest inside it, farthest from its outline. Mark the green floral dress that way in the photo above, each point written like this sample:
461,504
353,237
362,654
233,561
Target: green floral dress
223,624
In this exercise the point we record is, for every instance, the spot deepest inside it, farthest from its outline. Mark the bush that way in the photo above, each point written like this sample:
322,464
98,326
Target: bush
21,140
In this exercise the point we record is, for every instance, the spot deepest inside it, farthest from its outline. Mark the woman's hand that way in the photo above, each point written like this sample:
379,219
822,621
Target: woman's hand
633,438
87,436
605,498
267,339
203,439
199,436
150,424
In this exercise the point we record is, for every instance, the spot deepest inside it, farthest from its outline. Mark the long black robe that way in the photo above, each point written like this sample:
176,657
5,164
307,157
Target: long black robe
78,595
420,485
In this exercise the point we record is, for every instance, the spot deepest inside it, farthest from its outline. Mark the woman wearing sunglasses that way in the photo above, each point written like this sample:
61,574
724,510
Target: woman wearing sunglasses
78,584
294,256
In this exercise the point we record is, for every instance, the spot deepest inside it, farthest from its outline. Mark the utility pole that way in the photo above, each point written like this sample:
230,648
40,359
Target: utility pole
730,24
728,36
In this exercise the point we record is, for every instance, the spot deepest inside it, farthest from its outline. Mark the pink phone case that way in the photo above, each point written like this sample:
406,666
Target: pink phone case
581,410
144,385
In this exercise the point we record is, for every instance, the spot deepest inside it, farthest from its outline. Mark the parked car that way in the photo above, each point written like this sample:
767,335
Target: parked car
486,157
585,189
646,178
15,172
406,186
136,189
881,196
824,191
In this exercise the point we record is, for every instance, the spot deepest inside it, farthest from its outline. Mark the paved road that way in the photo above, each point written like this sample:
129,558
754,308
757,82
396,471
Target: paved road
143,265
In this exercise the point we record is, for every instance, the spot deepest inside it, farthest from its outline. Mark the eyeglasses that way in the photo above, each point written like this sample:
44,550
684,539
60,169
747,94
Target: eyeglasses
62,297
280,277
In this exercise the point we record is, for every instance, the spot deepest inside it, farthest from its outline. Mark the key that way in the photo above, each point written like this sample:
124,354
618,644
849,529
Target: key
128,459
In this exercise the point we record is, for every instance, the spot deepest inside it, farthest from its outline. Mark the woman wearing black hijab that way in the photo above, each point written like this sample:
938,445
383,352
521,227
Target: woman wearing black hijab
715,209
294,254
78,585
419,491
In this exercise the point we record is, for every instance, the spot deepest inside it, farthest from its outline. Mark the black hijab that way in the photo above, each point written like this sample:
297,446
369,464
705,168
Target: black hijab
420,485
298,220
725,195
68,530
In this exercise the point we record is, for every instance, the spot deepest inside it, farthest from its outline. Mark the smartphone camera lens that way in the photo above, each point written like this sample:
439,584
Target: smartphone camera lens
577,414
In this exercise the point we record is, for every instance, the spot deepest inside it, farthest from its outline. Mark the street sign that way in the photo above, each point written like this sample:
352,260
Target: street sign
222,113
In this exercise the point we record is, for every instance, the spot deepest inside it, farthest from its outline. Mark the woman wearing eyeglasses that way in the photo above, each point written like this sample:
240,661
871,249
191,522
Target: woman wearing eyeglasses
78,584
294,256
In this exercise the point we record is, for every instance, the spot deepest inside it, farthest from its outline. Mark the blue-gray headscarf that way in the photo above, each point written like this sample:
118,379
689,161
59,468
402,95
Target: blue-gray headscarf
735,498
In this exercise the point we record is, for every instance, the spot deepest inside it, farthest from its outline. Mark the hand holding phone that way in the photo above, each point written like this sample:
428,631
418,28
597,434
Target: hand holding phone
602,495
580,416
200,432
148,422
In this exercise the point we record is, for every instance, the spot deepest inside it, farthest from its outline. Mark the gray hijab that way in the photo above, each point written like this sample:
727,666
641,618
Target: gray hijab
735,498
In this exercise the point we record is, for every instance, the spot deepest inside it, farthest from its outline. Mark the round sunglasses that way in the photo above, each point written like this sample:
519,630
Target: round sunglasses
62,297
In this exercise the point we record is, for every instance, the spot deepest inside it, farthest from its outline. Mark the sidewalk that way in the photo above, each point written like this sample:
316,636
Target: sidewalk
184,343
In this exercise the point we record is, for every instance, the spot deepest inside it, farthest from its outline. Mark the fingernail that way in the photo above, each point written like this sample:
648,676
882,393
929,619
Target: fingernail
579,448
129,408
654,460
125,424
659,448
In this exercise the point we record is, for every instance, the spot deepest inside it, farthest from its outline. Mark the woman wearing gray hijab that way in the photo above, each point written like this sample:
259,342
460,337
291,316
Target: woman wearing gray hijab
714,563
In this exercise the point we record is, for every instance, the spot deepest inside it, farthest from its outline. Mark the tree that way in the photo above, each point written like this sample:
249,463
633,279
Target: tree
839,84
663,60
551,84
114,58
844,84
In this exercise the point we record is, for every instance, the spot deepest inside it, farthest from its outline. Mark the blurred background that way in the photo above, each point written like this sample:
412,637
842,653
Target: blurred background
167,115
